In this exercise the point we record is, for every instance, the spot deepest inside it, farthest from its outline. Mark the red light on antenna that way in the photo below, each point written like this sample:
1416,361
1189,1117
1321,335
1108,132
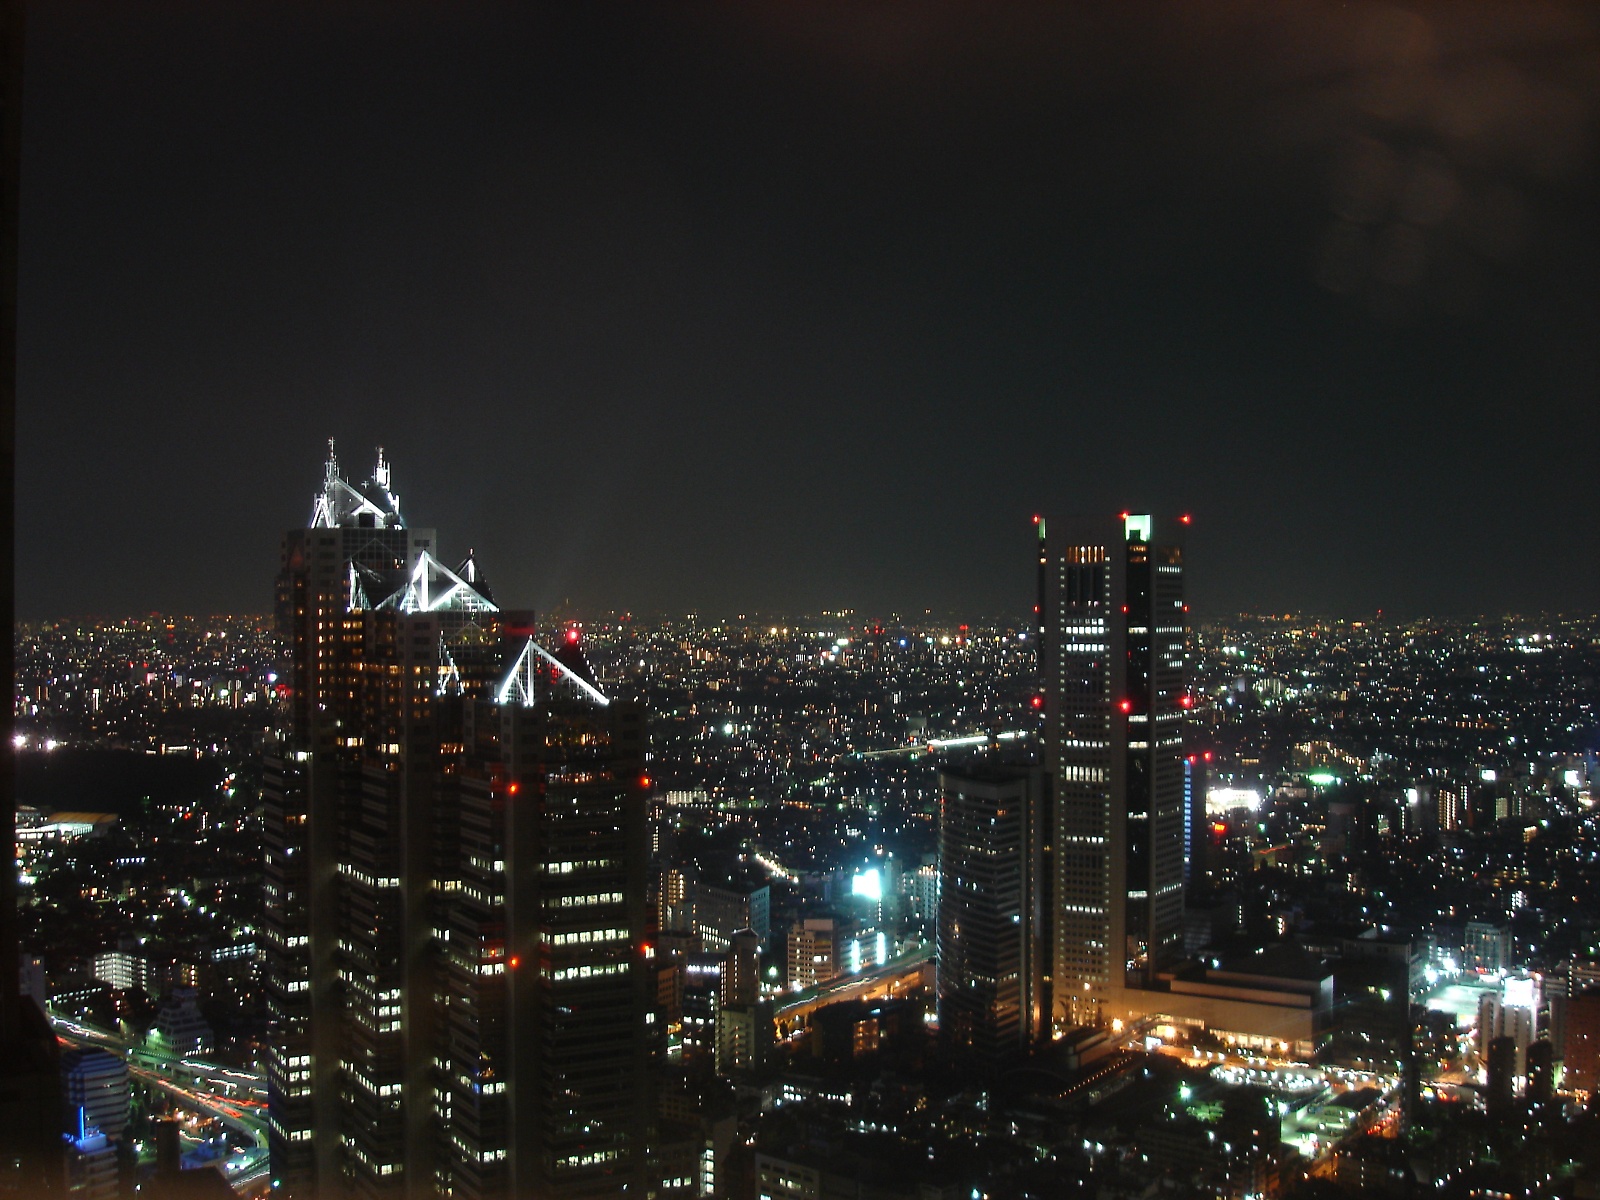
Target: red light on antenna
1036,518
1038,701
1126,706
1125,515
1185,518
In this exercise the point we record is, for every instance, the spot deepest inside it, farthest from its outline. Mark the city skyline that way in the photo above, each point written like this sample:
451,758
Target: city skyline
464,875
1394,817
808,306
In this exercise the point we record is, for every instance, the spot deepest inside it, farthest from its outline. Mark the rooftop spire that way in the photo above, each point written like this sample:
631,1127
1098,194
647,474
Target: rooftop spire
340,503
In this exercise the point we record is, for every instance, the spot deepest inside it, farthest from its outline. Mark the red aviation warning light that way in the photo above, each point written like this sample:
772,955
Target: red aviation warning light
1126,706
573,635
514,962
1186,518
1208,756
1186,700
1038,701
513,788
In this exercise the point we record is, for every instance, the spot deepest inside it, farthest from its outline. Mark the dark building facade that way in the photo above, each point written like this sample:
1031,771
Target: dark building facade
1580,1042
1113,632
990,985
454,865
31,1160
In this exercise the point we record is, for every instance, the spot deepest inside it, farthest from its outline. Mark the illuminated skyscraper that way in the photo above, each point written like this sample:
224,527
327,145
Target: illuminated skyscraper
355,543
455,852
1112,626
541,1051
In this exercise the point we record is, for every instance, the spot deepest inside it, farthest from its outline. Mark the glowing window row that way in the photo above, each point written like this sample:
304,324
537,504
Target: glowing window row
586,864
585,936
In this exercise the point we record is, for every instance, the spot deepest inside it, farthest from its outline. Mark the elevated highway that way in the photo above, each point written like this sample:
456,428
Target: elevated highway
236,1098
896,977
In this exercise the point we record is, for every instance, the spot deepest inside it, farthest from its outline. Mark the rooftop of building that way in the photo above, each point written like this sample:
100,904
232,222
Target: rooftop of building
1275,960
984,771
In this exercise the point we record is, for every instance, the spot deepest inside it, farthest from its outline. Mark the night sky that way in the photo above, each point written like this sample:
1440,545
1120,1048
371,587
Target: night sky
789,306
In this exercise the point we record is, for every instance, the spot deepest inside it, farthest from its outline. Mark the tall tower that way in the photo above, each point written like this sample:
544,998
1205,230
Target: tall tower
1112,628
544,1045
354,545
455,854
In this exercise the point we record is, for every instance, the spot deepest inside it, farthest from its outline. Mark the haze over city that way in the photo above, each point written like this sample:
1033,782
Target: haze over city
797,307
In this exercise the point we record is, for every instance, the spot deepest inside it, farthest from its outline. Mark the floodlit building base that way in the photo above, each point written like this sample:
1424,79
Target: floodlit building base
1272,1014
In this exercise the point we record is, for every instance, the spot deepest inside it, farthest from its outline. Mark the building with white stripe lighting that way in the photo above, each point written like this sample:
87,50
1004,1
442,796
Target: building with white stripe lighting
1113,630
455,854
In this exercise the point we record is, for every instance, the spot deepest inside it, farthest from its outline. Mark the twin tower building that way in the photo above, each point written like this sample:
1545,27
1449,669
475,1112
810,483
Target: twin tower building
1061,886
455,858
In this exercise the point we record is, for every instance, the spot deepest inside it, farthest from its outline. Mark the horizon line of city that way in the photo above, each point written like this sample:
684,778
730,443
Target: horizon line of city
756,618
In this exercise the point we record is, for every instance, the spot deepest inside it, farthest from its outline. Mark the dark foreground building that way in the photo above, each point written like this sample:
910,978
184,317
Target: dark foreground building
990,1003
31,1158
455,855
